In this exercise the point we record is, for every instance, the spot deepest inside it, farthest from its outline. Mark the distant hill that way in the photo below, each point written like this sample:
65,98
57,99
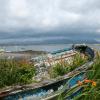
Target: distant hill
54,41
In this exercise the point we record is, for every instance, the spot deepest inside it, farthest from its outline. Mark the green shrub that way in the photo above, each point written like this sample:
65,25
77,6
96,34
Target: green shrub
78,60
15,72
90,92
58,70
64,67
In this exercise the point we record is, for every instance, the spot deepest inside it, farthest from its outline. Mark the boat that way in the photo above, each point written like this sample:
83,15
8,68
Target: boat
50,90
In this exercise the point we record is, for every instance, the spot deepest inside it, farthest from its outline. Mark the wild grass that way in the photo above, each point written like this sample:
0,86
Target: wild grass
89,92
15,72
64,67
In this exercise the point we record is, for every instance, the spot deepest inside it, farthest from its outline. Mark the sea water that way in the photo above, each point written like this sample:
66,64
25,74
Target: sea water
49,47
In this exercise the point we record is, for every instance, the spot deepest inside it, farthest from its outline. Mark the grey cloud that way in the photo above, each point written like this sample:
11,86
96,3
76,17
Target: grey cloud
80,6
45,16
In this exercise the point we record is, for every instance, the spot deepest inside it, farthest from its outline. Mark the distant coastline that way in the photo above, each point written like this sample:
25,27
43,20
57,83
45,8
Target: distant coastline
41,47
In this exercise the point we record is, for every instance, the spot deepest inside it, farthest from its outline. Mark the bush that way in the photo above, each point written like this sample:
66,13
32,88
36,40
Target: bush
89,92
64,67
78,60
15,72
58,70
92,93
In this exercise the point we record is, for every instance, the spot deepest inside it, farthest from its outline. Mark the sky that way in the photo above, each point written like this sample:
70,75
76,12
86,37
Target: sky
37,21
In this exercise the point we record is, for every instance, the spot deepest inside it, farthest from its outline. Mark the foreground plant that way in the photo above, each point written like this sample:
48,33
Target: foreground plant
91,85
58,70
92,92
64,67
15,72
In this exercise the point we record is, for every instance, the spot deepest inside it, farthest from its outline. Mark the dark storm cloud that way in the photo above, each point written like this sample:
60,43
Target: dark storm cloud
68,17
